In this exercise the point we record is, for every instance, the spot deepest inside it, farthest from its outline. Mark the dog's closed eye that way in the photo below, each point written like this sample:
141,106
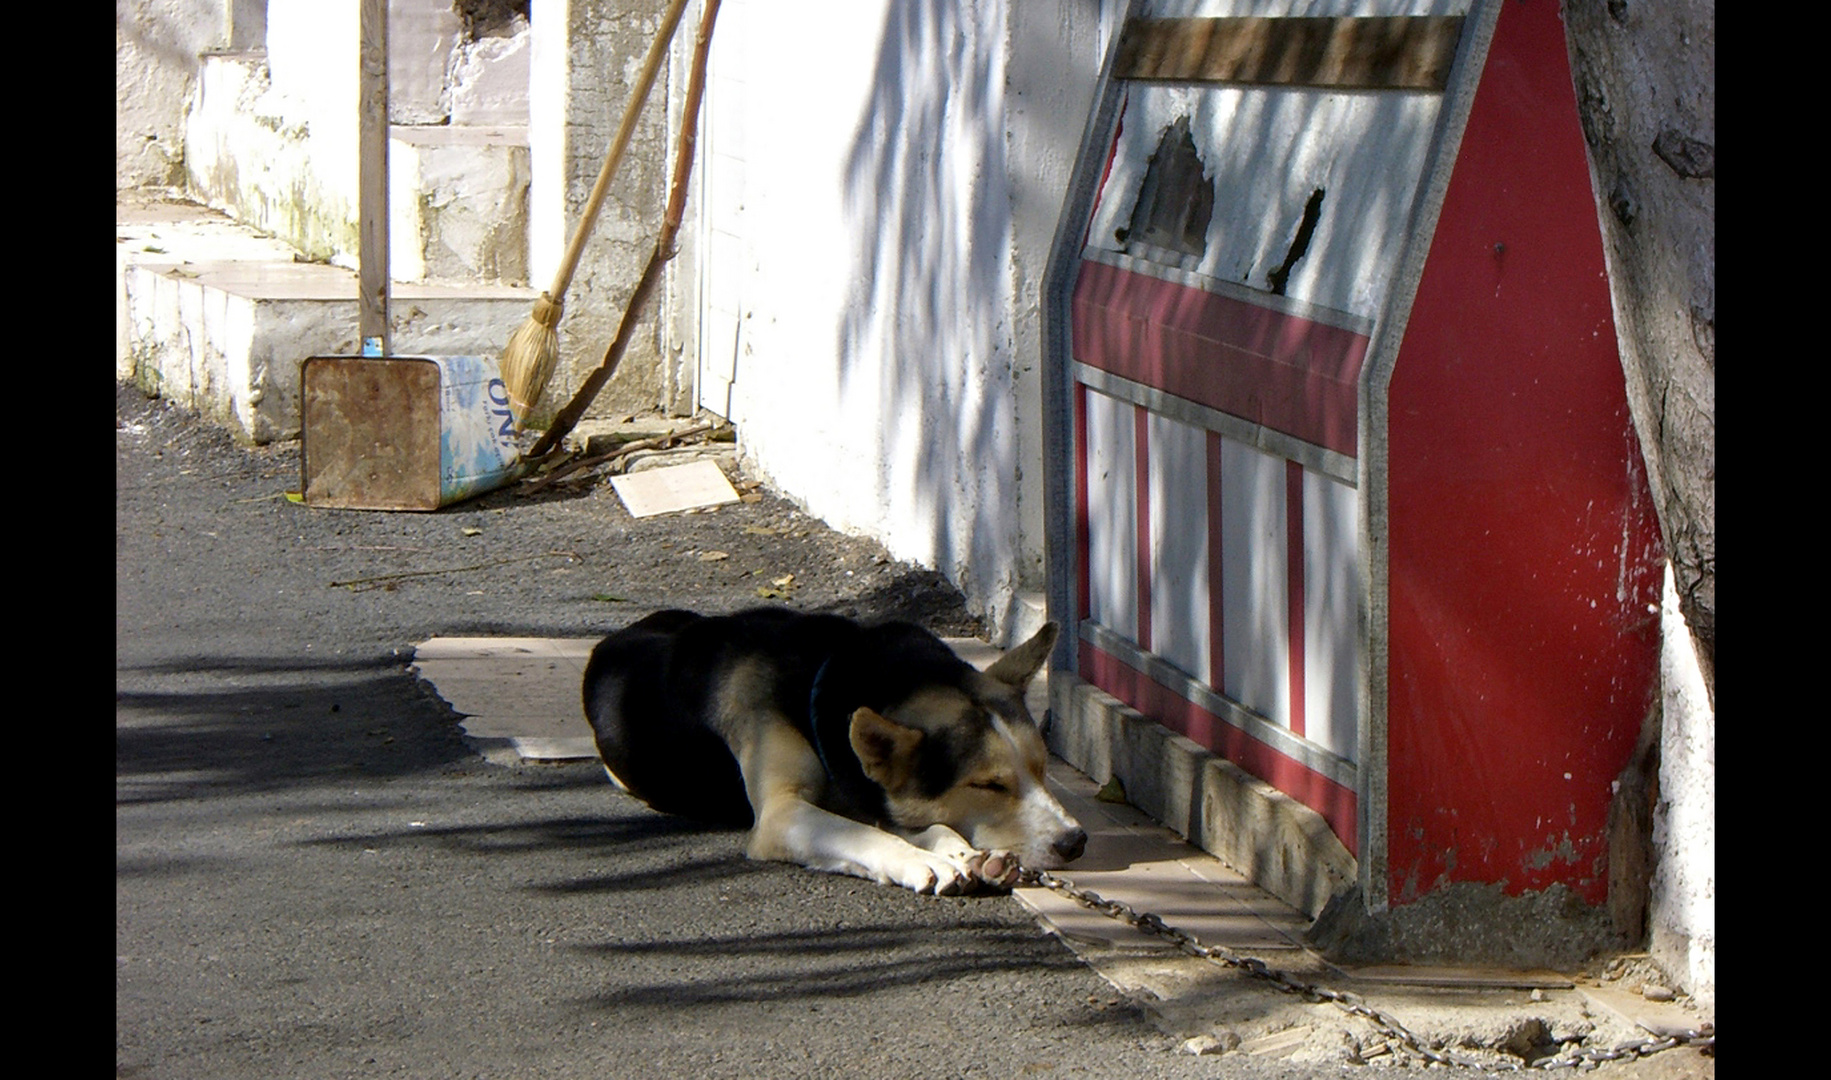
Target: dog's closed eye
997,787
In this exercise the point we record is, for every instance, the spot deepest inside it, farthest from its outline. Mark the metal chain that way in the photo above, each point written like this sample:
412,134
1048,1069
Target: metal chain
1146,922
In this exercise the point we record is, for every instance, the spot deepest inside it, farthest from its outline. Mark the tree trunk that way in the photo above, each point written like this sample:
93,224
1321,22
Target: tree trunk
1645,73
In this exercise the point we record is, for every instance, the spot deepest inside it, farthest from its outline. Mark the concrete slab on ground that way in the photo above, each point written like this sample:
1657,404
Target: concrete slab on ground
520,697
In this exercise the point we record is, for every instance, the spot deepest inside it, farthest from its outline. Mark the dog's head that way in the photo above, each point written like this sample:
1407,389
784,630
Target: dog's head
968,755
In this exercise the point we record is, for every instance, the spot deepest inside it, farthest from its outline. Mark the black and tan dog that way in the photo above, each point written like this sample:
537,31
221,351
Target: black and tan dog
865,750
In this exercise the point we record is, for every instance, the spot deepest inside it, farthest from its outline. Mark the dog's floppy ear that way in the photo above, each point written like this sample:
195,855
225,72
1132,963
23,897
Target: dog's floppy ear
884,747
1017,667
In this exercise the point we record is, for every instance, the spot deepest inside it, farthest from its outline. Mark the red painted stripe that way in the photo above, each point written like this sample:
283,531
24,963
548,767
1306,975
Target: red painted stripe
1112,152
1333,801
1141,442
1083,574
1294,586
1288,373
1217,661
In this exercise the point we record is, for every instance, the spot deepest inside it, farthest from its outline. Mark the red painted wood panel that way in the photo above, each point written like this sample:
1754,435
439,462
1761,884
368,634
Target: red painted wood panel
1287,373
1524,551
1337,804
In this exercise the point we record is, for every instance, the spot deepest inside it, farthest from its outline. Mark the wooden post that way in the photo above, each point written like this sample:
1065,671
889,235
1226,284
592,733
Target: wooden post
372,185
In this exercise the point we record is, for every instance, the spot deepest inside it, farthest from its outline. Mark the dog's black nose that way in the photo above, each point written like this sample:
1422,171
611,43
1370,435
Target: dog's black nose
1070,844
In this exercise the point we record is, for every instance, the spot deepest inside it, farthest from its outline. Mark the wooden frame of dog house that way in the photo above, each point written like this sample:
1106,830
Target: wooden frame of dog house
1344,494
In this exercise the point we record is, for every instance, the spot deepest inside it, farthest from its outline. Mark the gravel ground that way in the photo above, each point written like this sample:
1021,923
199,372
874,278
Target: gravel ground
317,877
569,560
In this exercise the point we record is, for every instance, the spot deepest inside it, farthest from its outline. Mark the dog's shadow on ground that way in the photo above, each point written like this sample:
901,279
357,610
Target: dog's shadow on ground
700,925
813,964
636,837
228,726
919,596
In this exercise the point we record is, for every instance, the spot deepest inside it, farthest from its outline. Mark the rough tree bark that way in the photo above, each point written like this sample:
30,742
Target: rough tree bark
1645,73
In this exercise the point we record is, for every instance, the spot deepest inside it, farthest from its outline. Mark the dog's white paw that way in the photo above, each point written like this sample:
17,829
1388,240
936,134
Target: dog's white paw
936,874
995,869
929,874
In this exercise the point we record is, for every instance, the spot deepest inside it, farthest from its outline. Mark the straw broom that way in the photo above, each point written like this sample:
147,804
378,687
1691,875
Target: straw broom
532,353
568,417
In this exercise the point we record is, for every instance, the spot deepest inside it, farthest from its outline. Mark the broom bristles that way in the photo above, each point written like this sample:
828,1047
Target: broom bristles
529,358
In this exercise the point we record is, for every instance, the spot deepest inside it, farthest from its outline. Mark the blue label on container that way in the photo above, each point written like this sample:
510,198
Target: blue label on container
477,450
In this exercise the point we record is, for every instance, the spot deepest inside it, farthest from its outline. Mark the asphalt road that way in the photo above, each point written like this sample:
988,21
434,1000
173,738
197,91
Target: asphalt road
316,877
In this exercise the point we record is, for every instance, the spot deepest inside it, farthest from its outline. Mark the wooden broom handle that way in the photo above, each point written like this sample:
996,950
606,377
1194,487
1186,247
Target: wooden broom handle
631,109
567,418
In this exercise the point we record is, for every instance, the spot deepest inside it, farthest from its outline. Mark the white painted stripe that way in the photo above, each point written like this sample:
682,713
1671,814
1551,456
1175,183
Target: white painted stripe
1331,615
1178,480
1216,9
1112,514
1284,305
1255,617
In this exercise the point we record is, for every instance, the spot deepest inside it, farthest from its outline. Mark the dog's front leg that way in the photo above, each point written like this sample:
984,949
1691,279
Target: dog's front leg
998,869
783,778
794,830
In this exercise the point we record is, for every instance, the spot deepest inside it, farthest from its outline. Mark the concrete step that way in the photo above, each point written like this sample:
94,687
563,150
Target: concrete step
218,317
458,204
458,192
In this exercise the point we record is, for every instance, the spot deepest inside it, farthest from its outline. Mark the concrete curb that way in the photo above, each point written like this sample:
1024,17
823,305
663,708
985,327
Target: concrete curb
1284,847
213,315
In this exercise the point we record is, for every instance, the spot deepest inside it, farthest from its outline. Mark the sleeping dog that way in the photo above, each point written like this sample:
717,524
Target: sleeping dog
866,750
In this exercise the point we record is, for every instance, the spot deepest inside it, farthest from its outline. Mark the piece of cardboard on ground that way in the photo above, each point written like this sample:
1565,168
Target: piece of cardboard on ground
673,488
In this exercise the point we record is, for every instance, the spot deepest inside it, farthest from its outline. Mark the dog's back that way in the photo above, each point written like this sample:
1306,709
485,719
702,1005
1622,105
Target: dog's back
651,696
654,745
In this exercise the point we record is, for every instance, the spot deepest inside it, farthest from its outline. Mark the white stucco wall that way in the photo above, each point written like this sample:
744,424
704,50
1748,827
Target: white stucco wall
898,200
156,48
488,79
271,138
1682,924
547,68
312,55
1054,53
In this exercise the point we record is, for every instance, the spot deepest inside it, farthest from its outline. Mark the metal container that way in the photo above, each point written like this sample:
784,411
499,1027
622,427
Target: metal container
404,432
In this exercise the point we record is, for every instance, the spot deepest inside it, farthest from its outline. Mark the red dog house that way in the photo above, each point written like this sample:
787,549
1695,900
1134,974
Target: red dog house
1346,488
